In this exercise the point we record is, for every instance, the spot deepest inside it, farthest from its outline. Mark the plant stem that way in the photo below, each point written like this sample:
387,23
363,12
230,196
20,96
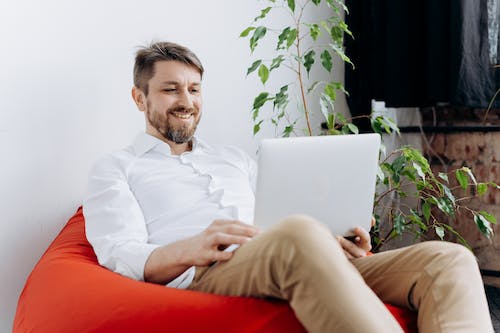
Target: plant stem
491,102
489,106
299,74
381,196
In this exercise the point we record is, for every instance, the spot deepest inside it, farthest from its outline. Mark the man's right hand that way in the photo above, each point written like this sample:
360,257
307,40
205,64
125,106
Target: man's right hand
167,262
208,246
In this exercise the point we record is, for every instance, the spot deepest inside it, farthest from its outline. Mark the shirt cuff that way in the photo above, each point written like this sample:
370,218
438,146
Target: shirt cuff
136,255
184,280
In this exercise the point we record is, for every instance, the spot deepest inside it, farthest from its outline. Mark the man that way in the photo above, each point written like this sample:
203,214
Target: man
166,208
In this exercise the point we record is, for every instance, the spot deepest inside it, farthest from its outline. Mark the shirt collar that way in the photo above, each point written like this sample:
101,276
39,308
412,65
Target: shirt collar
145,142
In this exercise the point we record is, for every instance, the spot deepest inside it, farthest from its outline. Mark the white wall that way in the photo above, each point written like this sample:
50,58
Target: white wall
65,99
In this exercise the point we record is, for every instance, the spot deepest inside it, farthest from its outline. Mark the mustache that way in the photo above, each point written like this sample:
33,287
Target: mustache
182,109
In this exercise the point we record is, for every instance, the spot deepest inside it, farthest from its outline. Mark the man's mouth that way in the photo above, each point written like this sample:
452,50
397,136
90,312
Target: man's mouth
182,115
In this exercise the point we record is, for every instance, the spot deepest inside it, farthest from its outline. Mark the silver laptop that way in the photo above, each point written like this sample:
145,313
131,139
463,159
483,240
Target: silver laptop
331,178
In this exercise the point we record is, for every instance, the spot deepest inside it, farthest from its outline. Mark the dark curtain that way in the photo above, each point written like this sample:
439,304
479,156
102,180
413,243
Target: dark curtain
418,53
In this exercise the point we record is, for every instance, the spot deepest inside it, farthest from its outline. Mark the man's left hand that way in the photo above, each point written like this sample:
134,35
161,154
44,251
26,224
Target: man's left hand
359,246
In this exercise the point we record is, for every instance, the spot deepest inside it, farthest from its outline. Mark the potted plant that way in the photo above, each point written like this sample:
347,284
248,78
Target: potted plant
405,172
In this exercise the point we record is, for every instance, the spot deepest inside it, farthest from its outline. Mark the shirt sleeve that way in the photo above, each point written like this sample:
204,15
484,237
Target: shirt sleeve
114,221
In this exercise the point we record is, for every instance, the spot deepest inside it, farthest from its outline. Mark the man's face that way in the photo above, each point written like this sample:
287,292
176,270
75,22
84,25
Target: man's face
173,104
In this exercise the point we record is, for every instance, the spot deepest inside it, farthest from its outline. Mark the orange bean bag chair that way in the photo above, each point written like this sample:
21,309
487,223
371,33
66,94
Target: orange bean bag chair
68,291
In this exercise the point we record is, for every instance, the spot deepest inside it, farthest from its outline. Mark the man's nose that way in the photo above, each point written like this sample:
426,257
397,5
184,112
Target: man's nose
186,99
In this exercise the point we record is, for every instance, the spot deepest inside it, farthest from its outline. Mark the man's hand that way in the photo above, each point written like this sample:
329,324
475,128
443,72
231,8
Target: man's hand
167,262
359,246
208,246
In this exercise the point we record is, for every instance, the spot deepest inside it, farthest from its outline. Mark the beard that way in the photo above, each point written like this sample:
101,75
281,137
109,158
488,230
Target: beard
175,133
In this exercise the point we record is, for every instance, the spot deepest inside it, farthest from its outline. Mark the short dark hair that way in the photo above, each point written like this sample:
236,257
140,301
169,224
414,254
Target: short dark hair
146,58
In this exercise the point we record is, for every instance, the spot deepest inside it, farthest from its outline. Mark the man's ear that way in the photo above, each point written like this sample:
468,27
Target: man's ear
139,98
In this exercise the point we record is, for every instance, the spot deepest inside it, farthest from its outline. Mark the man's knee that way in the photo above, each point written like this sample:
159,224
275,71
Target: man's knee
304,233
299,227
448,256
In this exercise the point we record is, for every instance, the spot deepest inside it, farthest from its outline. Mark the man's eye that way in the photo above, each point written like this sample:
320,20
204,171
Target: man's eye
195,90
168,90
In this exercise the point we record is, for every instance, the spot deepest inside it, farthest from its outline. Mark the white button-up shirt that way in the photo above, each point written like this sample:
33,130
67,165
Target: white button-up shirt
143,197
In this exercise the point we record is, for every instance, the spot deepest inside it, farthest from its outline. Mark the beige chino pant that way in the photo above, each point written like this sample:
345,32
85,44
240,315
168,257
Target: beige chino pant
299,261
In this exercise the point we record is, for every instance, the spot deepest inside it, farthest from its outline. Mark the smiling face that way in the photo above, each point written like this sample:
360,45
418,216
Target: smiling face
173,104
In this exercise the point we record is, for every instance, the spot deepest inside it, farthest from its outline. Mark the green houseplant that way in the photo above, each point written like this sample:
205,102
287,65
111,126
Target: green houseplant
303,45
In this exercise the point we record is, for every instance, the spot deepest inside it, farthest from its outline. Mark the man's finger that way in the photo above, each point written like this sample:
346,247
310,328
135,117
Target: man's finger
240,230
363,238
348,255
351,248
235,227
227,239
221,255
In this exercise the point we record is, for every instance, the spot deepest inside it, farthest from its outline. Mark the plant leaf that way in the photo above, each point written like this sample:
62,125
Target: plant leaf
461,177
488,216
416,156
446,206
398,163
415,218
411,175
287,131
281,99
483,225
340,117
254,66
316,2
345,129
260,100
482,188
443,176
291,5
419,170
341,4
283,36
494,185
263,13
339,86
399,224
448,193
340,52
263,73
326,60
383,123
315,31
259,33
309,60
380,173
329,91
313,86
337,34
439,231
353,128
255,114
331,122
290,38
383,149
426,210
323,105
256,127
245,32
471,175
277,62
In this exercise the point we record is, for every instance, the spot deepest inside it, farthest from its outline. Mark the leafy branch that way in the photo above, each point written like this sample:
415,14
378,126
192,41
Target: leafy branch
294,52
405,173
